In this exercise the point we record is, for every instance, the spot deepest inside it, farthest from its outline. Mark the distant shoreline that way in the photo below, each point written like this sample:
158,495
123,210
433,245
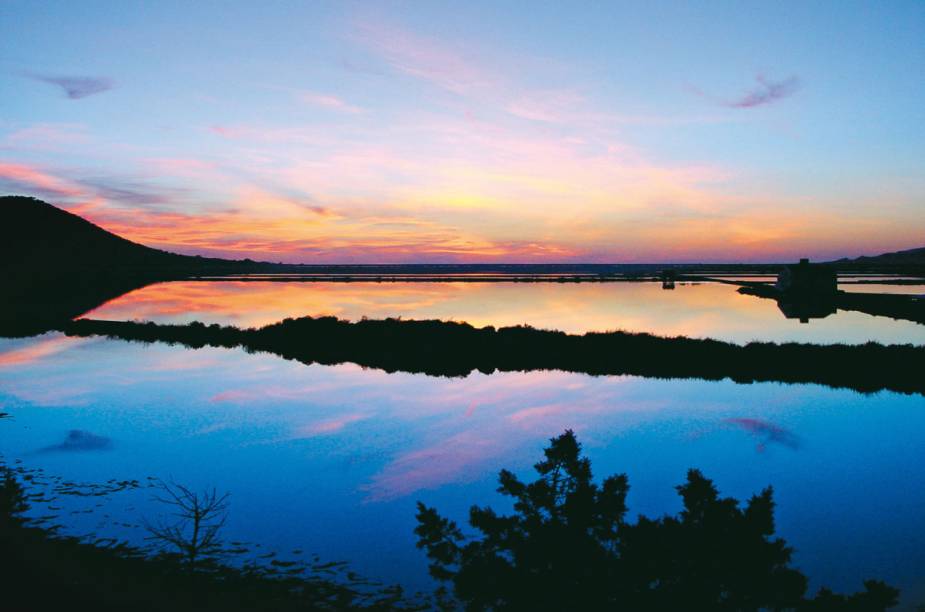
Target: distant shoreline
521,278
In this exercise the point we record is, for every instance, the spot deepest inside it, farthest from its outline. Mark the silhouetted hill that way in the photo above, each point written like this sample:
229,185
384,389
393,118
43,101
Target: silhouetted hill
56,265
908,257
36,234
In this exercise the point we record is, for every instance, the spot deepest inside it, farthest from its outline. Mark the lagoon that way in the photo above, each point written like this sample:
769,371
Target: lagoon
700,310
330,460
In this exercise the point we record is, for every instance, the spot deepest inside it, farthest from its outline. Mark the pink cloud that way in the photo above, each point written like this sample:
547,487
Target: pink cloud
38,351
423,57
450,189
48,137
329,426
182,166
260,393
451,460
537,412
180,362
328,101
549,106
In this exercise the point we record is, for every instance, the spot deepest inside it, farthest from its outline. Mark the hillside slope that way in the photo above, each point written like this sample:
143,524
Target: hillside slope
907,257
35,234
56,265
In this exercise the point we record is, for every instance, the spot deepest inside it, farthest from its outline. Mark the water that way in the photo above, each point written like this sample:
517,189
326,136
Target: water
332,459
918,290
704,310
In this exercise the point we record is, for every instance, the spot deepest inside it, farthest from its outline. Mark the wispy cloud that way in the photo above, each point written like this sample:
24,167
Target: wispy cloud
19,176
330,102
422,57
75,87
47,137
548,106
129,192
766,92
330,426
36,351
486,78
455,459
438,189
84,191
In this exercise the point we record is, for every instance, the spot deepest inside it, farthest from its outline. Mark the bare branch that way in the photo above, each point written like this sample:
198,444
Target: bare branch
202,516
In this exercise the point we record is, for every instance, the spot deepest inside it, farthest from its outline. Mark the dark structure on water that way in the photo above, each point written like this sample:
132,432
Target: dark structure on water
668,278
808,279
807,291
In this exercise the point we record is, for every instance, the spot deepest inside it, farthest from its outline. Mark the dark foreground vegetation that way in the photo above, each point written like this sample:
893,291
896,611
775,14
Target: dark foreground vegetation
187,569
440,348
568,546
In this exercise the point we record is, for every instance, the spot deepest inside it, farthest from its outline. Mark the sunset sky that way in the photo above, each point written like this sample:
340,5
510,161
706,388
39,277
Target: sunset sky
473,131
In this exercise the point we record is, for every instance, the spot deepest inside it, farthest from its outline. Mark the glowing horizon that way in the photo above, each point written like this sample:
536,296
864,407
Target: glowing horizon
357,133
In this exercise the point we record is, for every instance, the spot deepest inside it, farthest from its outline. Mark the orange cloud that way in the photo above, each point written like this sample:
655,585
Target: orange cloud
34,178
466,191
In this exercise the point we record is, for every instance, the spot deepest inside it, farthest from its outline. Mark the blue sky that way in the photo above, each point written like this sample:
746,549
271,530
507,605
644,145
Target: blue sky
477,132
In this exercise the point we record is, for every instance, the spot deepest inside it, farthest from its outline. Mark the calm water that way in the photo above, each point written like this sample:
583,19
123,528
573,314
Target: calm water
918,290
332,459
705,310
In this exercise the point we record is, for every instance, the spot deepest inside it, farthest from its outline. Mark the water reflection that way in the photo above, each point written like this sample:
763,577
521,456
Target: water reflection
312,454
917,289
77,441
698,310
766,433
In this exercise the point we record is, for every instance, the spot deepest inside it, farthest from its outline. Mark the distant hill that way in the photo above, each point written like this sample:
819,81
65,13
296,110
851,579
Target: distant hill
914,257
56,266
37,235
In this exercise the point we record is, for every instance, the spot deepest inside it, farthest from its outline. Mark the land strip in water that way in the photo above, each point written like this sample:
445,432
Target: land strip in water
904,307
442,348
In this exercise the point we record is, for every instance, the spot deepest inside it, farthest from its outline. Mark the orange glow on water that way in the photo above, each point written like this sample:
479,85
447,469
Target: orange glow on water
702,310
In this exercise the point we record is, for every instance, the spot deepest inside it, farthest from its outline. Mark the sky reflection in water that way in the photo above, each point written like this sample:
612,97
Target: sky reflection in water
332,459
702,310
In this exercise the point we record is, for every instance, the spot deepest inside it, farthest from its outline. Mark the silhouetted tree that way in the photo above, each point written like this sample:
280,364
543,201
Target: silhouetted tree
715,553
568,547
201,515
12,501
876,595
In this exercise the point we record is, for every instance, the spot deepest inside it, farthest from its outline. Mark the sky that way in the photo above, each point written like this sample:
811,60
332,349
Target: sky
394,132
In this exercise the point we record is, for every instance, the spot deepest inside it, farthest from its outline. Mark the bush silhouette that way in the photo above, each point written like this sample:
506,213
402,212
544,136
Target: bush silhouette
568,546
